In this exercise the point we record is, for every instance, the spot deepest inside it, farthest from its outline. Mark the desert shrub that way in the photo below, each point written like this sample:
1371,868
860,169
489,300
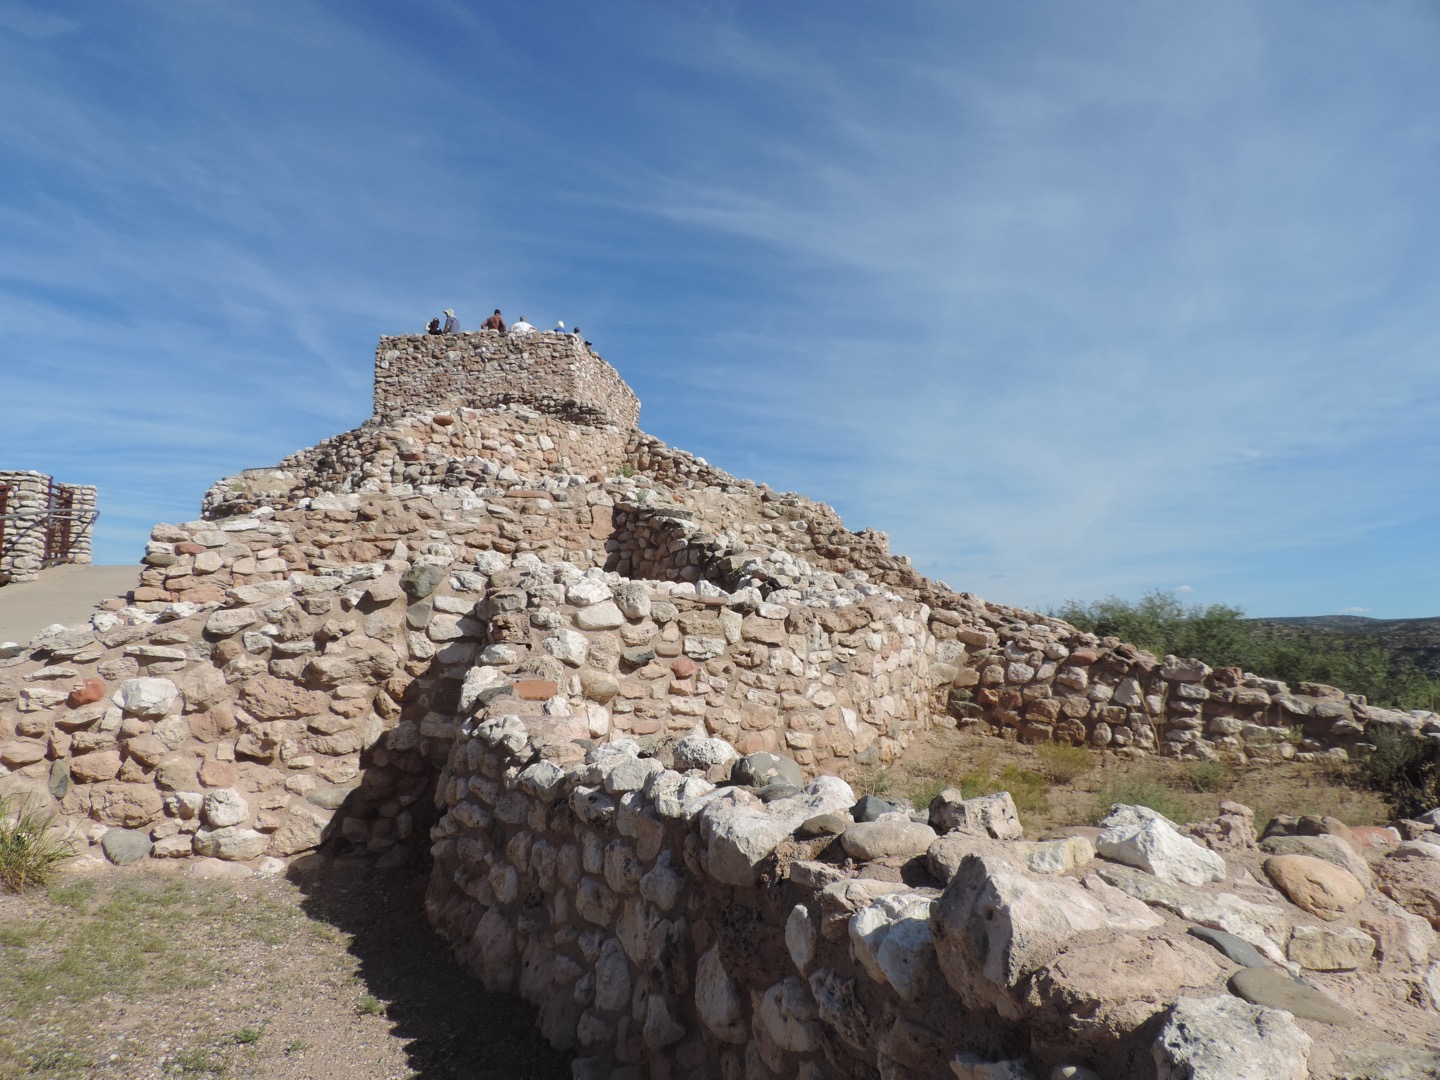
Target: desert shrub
1139,791
872,780
1064,764
1209,776
1029,790
30,846
1405,769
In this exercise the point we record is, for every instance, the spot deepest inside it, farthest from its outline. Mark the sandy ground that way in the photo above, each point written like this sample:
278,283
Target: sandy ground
62,594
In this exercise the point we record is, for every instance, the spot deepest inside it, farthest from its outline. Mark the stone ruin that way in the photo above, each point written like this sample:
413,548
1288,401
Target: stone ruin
42,524
614,696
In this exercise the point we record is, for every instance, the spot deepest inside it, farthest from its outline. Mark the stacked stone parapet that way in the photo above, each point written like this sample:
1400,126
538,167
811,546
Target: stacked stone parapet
554,373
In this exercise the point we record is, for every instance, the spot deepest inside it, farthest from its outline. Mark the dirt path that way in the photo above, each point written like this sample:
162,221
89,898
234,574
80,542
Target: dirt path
62,594
150,974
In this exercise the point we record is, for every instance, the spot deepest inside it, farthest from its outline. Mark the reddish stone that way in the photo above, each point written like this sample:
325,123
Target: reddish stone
444,419
684,667
188,547
644,727
83,693
1084,656
145,594
217,774
536,689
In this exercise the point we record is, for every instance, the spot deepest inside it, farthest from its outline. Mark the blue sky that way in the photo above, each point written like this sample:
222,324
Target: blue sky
1069,299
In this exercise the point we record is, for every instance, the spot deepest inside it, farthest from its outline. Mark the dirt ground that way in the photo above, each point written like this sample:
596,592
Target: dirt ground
148,973
1059,786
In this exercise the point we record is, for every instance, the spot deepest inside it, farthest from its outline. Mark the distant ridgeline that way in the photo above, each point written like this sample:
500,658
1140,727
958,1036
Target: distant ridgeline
499,625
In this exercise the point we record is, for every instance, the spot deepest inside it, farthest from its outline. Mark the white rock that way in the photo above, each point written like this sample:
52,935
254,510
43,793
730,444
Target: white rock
224,806
587,591
891,939
800,937
1155,846
146,696
740,831
1224,1038
718,1002
231,843
567,646
697,752
602,616
790,1016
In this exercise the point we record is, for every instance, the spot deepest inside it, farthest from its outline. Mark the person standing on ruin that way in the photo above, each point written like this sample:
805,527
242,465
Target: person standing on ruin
452,324
494,322
520,326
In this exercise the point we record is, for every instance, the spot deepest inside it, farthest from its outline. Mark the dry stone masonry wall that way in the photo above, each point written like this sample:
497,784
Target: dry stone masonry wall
616,695
42,524
556,373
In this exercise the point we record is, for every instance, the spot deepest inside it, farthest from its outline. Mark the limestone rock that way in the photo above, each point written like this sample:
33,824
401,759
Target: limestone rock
231,843
1153,844
891,938
146,696
992,815
1323,948
1223,1038
994,925
224,807
718,1001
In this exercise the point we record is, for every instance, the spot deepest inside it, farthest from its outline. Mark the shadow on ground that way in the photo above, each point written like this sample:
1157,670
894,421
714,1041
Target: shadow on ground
453,1029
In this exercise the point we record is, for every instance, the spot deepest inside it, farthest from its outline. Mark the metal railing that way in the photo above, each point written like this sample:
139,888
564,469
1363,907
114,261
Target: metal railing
63,525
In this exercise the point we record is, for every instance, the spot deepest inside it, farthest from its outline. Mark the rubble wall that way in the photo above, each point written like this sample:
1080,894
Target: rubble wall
552,372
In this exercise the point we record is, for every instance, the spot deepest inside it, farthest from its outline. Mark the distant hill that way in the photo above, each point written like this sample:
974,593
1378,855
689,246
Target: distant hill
1417,640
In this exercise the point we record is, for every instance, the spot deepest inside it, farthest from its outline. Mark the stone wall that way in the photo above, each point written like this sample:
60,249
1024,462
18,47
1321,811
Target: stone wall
30,514
554,373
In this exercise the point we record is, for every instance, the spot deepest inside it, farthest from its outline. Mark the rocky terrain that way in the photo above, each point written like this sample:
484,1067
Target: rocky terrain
614,698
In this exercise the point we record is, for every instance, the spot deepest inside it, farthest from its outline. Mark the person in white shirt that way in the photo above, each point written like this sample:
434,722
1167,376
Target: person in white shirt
520,326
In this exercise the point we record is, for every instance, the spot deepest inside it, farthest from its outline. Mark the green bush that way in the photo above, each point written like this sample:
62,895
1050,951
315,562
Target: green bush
1405,769
1064,764
30,846
1139,791
1209,776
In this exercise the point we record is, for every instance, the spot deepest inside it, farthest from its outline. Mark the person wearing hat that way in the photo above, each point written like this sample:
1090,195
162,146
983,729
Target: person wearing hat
559,327
452,325
494,322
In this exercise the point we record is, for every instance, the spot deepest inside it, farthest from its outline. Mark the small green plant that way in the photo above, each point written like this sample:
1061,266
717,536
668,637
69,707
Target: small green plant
368,1005
1209,777
197,1061
30,846
1062,763
249,1036
1139,791
873,780
296,1046
627,470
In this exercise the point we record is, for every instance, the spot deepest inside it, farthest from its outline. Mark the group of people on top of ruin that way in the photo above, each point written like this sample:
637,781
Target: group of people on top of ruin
496,322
